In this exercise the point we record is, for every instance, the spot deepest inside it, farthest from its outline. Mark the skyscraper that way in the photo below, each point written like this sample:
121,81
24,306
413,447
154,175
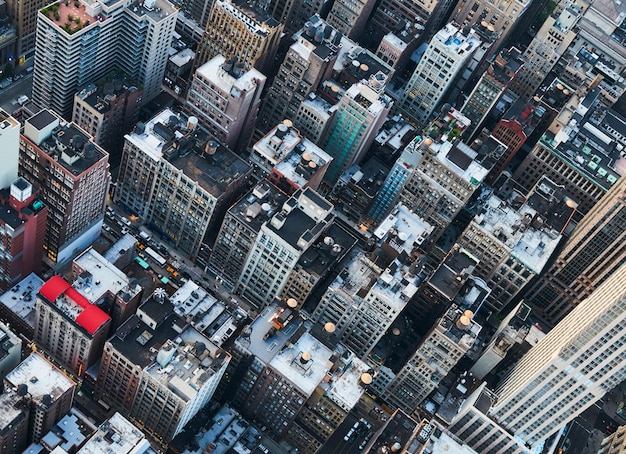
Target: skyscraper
550,42
226,100
10,144
361,112
446,55
73,175
100,37
235,28
308,62
595,251
576,364
23,218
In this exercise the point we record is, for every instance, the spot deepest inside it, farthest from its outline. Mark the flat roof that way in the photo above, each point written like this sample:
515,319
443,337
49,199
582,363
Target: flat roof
69,433
404,229
69,301
167,132
41,377
458,263
249,210
42,119
116,435
101,277
305,376
9,408
346,390
214,72
21,298
255,338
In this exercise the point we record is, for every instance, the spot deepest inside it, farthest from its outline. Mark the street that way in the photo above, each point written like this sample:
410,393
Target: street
9,95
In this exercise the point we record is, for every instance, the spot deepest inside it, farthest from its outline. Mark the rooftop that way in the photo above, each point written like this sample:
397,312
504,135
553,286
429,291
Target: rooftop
250,208
398,429
101,277
67,143
116,435
226,75
457,40
368,177
462,159
20,299
346,389
10,408
403,230
207,314
69,433
41,377
522,230
71,16
299,164
168,136
305,372
395,133
185,359
73,304
302,219
463,332
256,21
279,142
101,95
269,333
590,144
328,250
125,243
453,272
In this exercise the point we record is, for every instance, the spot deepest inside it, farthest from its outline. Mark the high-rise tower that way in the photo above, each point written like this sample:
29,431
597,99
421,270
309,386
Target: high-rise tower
78,43
580,360
596,249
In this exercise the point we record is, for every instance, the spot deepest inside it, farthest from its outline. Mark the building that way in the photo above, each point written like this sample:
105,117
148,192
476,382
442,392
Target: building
474,427
48,393
516,240
178,180
444,58
446,176
116,435
318,262
584,154
548,45
10,350
280,243
104,285
490,87
14,435
308,62
178,69
107,110
402,169
72,54
314,116
526,120
9,141
357,187
448,341
349,17
239,230
24,17
329,405
361,112
576,364
367,296
614,443
589,257
17,306
254,37
69,327
290,159
391,15
515,335
498,17
23,221
169,386
69,434
226,100
72,173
